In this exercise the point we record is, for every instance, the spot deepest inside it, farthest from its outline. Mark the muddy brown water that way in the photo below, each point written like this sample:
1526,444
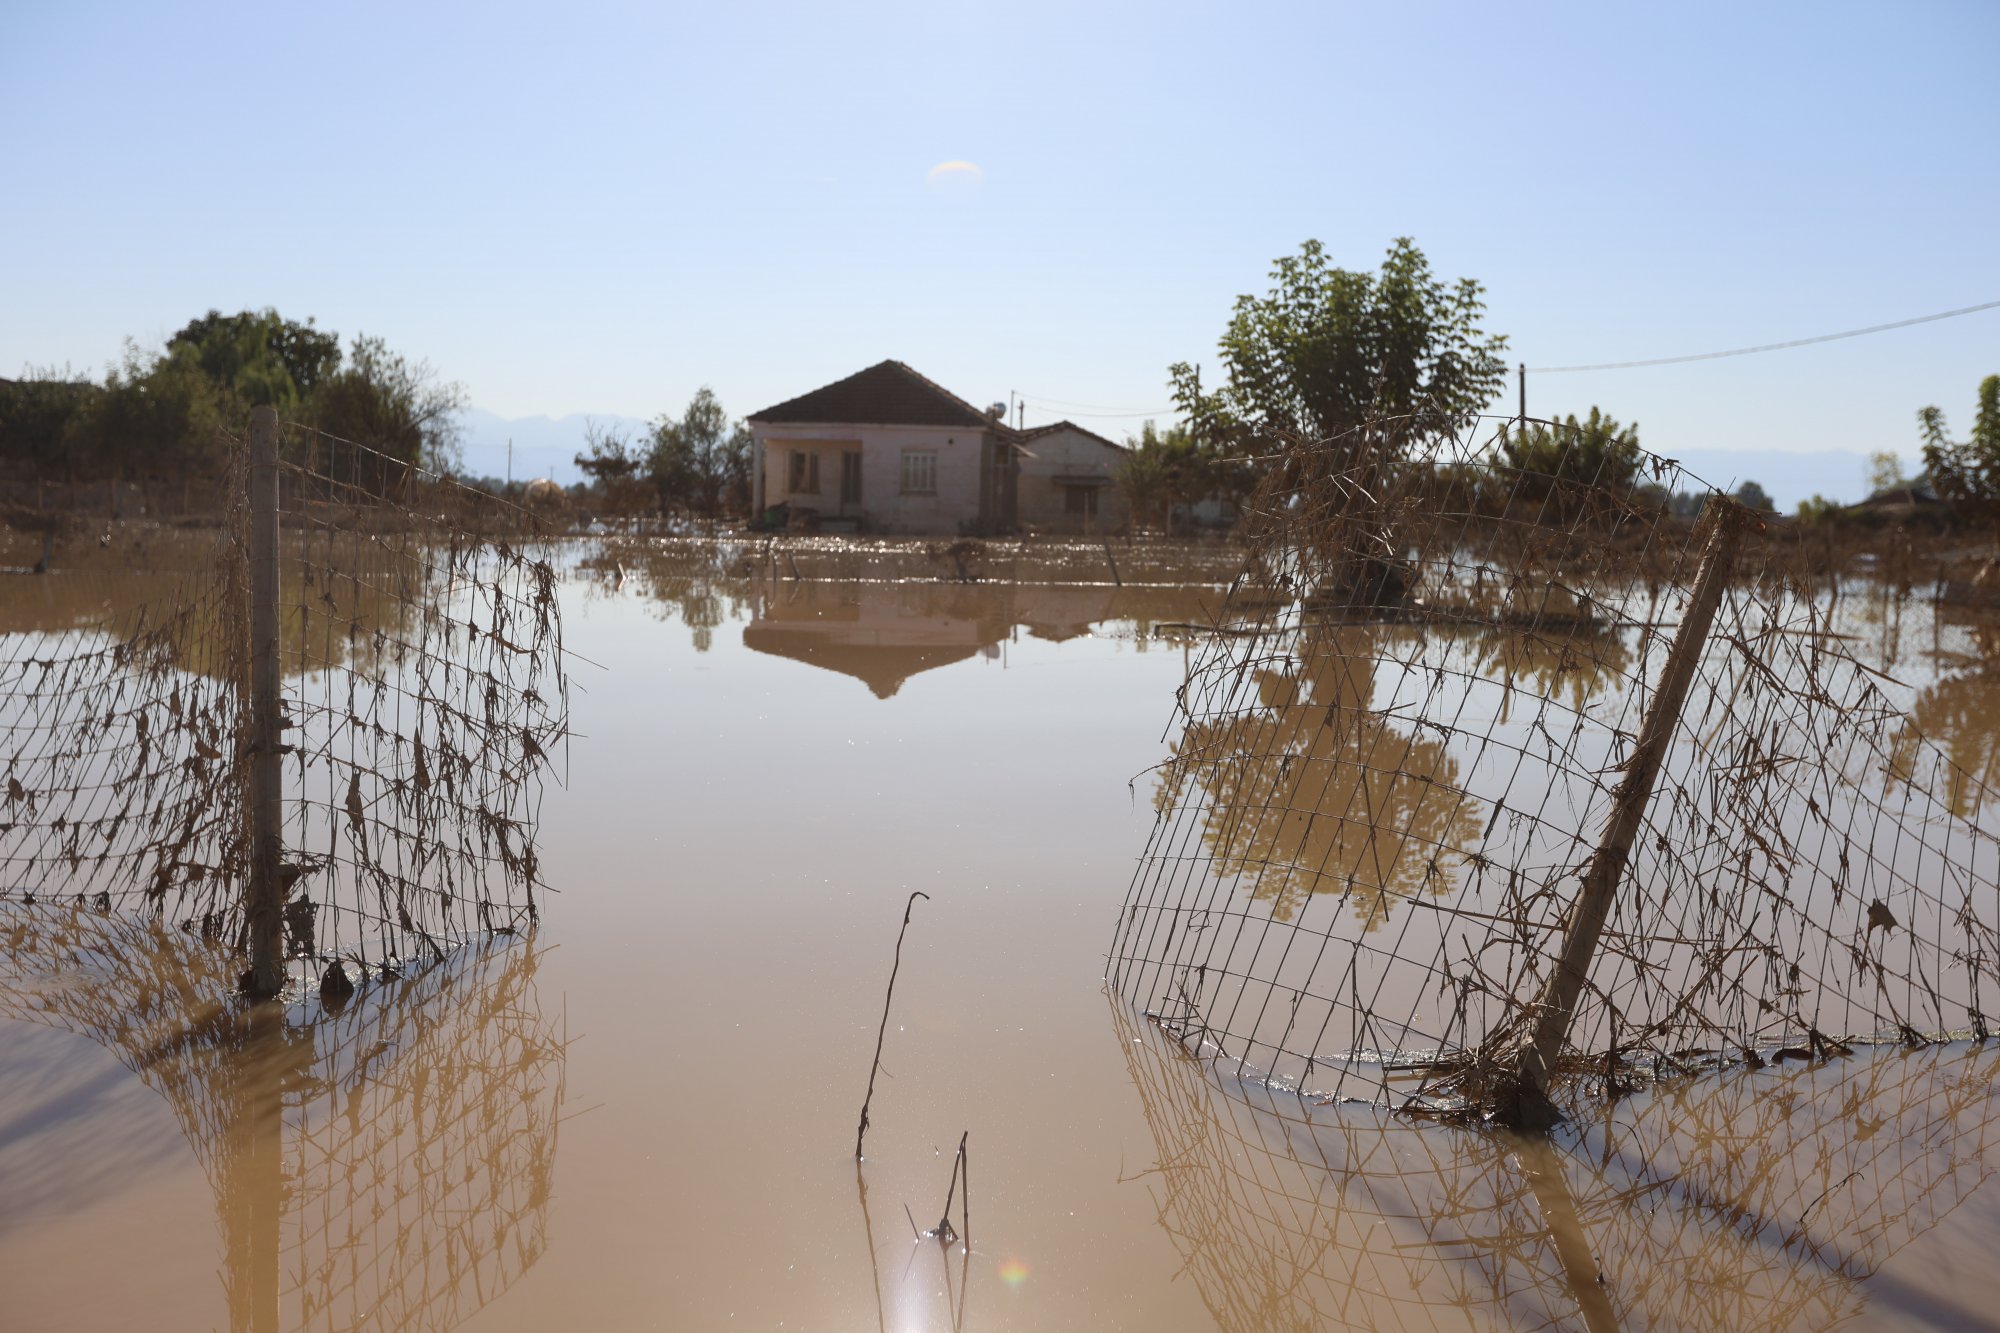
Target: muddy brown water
644,1116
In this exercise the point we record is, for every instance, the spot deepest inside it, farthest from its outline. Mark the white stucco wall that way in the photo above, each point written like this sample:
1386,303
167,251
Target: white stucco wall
1072,454
962,502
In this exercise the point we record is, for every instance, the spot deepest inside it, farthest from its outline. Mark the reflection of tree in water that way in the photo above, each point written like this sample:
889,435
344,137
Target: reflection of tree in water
1961,712
703,584
1733,1201
1570,666
385,1166
345,600
1313,791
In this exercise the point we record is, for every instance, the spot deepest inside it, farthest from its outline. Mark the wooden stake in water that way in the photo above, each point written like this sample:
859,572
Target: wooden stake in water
1525,1101
264,892
861,1130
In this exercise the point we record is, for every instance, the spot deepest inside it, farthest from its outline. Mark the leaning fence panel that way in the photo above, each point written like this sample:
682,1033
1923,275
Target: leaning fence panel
1398,757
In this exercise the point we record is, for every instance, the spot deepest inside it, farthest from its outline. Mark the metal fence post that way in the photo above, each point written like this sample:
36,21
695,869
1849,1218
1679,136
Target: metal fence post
263,899
1525,1102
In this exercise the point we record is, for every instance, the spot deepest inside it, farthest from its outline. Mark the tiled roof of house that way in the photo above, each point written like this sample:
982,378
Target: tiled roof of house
1035,431
881,667
888,393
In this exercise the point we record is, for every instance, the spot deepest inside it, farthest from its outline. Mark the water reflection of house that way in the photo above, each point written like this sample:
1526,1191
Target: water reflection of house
1061,613
884,633
887,450
881,634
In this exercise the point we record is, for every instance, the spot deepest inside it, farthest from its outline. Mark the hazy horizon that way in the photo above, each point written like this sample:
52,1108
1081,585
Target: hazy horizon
600,212
545,446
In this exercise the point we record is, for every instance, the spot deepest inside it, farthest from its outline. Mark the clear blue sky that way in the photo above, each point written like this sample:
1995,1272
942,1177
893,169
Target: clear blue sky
588,207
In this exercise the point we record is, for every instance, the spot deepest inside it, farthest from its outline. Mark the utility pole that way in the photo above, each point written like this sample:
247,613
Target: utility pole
1523,373
510,461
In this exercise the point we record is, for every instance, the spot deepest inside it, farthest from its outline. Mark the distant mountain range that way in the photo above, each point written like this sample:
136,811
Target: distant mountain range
547,447
542,446
1837,474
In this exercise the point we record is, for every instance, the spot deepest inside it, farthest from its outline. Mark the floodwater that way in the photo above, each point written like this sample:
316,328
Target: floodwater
643,1116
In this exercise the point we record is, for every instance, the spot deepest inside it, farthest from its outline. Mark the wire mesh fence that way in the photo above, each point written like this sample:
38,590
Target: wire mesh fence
1460,687
422,706
428,700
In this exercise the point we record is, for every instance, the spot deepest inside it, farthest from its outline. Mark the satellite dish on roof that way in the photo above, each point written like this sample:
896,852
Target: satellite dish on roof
997,411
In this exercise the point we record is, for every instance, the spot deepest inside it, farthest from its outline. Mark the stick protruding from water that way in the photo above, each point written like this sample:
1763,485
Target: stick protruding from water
961,1166
882,1033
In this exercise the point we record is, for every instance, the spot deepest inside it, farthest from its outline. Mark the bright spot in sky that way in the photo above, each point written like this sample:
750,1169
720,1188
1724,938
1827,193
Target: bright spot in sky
1013,1272
955,177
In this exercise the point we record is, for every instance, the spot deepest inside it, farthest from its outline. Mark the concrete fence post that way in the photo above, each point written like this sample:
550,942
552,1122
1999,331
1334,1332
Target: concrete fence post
263,899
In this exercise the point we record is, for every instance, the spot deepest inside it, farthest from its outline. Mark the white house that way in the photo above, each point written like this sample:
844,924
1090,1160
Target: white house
889,451
1069,480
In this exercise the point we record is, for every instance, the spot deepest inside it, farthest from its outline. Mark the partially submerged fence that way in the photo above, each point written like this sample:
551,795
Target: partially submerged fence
386,1165
1497,783
322,741
1738,1203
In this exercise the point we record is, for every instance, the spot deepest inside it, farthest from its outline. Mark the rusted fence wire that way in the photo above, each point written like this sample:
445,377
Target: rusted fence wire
421,702
1401,758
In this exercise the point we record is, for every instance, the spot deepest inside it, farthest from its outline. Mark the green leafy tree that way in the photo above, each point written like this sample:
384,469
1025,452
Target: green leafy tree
617,469
42,417
396,406
1166,471
1966,473
1596,452
163,414
262,357
1753,497
160,415
1329,351
1885,471
702,459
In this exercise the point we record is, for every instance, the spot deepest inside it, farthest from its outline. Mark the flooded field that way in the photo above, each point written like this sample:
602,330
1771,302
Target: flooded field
641,1113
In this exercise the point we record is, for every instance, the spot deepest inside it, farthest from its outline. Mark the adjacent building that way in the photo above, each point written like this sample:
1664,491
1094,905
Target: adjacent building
1069,481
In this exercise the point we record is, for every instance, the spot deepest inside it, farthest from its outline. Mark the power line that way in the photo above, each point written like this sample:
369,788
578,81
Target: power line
1044,406
1769,347
1069,402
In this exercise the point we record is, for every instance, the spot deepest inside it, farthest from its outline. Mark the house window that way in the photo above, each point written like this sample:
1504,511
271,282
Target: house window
805,473
850,478
920,472
1080,501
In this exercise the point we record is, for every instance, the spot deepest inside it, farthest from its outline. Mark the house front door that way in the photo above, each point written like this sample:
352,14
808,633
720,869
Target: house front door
850,478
